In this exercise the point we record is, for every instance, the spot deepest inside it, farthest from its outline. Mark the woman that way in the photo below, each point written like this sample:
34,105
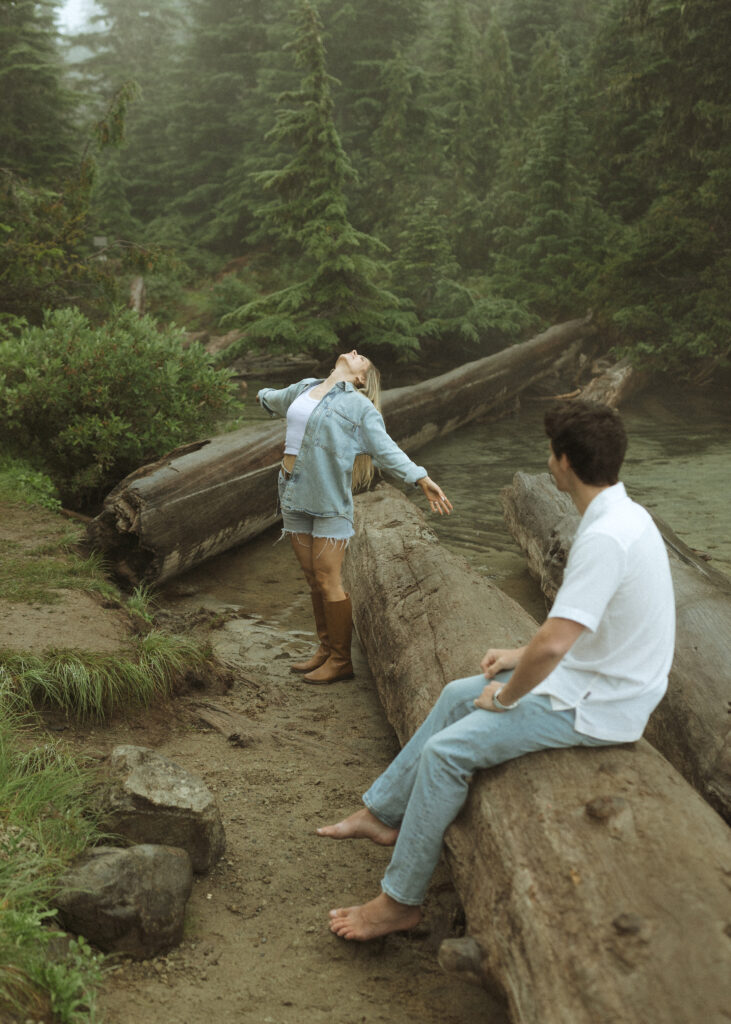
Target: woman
335,432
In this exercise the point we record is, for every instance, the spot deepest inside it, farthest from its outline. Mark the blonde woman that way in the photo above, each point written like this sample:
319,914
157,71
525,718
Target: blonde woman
335,433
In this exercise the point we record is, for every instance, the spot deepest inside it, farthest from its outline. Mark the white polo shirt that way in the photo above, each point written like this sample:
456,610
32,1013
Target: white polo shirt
617,584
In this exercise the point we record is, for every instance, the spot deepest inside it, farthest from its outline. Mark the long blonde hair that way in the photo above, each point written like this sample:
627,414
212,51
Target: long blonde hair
363,465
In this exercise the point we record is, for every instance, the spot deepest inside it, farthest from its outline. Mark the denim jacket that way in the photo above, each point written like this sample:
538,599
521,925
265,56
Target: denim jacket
342,425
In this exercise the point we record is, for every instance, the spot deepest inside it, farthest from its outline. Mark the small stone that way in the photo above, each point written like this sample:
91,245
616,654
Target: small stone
628,924
604,807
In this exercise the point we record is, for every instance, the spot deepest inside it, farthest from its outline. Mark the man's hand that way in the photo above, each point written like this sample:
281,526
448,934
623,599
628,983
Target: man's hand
436,497
485,701
500,660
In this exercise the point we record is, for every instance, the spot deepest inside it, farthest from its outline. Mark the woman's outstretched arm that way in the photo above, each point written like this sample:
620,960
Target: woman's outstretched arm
387,455
438,500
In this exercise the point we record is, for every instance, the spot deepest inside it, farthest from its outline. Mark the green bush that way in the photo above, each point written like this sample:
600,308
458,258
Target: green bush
21,483
90,404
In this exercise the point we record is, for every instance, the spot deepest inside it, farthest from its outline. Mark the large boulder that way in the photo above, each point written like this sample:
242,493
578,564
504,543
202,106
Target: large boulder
127,900
150,799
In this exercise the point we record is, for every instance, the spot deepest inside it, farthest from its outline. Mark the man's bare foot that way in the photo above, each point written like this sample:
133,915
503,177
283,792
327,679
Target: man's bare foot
361,825
380,916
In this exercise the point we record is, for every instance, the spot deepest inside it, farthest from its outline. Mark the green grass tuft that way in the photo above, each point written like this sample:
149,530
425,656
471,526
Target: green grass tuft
45,821
87,684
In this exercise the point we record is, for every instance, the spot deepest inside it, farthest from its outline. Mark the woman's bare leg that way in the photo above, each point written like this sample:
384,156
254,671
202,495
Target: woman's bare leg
302,547
327,561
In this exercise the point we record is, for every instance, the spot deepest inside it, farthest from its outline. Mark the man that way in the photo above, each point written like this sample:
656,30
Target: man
591,675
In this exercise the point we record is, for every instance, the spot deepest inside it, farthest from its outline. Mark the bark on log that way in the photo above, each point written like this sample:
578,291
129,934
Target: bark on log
592,880
614,384
210,496
690,727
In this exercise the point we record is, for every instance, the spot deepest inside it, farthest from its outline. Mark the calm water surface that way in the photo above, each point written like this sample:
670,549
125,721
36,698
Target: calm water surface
677,465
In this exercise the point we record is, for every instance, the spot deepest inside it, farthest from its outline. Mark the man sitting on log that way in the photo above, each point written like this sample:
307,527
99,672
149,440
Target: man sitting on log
591,675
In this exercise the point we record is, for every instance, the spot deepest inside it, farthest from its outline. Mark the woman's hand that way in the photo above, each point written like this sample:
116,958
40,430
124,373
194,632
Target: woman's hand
500,660
436,497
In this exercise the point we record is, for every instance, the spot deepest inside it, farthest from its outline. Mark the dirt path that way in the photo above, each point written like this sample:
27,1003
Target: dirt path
257,946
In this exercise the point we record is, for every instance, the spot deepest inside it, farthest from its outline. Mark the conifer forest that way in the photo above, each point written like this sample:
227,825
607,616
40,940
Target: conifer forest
414,176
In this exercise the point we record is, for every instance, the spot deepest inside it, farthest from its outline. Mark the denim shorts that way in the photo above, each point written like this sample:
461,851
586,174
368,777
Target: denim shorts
331,527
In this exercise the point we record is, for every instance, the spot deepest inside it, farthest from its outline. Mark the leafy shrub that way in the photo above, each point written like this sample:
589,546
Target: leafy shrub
20,482
91,404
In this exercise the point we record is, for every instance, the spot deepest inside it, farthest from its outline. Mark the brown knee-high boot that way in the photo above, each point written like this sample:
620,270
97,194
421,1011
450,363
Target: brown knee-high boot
339,618
323,652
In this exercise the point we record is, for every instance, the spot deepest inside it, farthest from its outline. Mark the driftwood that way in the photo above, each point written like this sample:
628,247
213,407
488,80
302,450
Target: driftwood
614,384
234,727
594,882
209,496
691,726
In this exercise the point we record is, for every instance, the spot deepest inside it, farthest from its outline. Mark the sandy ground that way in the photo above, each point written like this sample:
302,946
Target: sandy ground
257,945
257,948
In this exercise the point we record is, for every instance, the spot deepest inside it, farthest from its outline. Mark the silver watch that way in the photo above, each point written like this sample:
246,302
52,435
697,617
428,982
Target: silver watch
502,707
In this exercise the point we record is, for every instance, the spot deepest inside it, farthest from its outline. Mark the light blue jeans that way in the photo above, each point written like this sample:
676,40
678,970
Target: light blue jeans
424,787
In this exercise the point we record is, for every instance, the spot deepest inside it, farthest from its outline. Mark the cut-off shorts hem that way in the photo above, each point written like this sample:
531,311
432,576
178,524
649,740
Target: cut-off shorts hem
302,537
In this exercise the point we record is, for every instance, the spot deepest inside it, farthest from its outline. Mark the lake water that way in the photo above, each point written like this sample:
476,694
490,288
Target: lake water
678,465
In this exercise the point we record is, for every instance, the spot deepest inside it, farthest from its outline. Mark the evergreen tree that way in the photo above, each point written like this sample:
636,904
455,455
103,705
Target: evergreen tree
132,41
666,286
550,233
401,165
455,315
226,83
341,301
363,37
36,123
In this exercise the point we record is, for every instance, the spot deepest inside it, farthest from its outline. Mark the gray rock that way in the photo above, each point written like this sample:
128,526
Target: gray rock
127,900
150,799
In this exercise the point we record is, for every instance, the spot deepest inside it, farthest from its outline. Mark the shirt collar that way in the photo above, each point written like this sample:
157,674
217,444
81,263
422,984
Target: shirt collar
605,500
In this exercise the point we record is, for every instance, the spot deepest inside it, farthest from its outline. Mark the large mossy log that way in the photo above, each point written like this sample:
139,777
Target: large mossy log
594,881
209,496
691,726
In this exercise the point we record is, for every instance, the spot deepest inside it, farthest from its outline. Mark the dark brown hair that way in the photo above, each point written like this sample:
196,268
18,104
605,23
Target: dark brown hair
593,438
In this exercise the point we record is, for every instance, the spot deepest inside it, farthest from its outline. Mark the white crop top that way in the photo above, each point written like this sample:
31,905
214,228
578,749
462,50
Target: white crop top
297,416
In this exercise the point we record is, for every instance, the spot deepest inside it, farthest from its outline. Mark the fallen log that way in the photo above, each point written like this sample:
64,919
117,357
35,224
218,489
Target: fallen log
613,384
690,727
214,494
593,881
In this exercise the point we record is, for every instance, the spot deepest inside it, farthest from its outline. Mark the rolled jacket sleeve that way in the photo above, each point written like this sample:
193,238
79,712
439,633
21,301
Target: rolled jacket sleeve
384,451
276,401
